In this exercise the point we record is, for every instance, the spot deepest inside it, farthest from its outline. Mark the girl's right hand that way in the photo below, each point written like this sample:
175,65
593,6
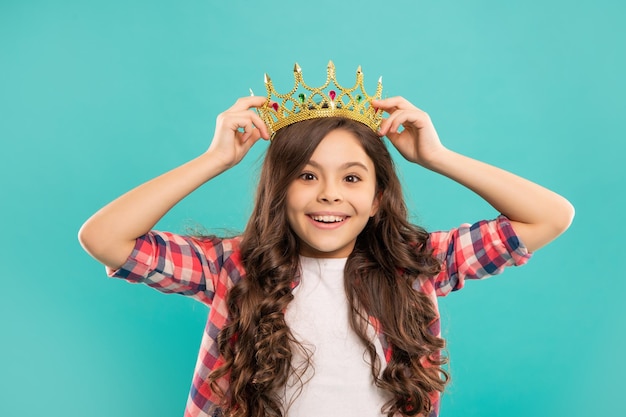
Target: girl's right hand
237,130
109,235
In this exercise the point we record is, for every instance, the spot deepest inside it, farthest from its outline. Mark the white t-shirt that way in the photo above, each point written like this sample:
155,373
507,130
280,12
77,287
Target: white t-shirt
339,382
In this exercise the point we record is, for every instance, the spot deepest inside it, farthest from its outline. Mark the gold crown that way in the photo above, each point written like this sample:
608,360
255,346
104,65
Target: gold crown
331,99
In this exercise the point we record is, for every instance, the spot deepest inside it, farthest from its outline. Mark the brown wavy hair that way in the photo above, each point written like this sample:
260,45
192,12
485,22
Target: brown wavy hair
389,255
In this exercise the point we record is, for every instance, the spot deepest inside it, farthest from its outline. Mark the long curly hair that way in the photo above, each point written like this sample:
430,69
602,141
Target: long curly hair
389,255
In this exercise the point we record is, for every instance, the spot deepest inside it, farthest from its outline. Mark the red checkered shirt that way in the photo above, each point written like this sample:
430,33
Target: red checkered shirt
206,268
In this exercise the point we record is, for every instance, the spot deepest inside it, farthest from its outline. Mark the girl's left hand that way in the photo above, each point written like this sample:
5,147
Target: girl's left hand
418,142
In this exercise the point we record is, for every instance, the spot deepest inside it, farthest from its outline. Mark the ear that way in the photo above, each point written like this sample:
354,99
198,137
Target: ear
376,203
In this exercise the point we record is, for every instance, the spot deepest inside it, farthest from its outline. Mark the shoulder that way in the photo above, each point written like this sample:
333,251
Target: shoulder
215,243
219,250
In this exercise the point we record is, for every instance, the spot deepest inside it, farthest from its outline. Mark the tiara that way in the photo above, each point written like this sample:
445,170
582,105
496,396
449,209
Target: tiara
330,100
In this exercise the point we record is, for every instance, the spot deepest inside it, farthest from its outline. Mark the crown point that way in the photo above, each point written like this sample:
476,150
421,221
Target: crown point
331,69
267,79
296,68
251,92
380,80
358,70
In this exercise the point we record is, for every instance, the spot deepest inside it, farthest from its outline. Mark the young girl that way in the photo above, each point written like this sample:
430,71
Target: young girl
326,305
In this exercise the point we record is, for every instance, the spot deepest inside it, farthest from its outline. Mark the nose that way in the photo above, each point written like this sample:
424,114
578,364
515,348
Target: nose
329,192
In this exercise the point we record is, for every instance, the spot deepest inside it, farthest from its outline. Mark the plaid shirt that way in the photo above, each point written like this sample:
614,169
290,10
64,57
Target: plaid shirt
205,269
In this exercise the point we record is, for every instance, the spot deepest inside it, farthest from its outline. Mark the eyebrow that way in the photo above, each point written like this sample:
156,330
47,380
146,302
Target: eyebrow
343,166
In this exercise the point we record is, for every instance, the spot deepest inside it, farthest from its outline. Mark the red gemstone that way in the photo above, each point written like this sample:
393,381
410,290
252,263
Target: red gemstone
332,94
275,106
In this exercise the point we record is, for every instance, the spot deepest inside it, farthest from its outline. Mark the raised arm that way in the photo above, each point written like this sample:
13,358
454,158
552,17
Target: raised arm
537,214
109,235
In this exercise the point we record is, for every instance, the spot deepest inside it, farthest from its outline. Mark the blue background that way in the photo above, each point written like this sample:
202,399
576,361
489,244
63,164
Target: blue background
99,96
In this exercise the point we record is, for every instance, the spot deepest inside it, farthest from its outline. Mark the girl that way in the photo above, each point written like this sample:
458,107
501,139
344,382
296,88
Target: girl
326,305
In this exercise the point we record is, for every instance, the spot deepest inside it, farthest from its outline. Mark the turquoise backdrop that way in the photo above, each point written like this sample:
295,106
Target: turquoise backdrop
99,96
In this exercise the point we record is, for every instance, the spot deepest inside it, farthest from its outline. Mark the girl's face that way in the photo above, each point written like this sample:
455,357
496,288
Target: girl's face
329,204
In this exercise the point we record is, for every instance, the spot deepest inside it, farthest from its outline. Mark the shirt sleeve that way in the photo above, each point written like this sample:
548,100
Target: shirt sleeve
475,251
176,264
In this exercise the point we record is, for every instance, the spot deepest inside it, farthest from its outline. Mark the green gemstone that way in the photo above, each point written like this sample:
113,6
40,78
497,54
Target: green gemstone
359,98
302,97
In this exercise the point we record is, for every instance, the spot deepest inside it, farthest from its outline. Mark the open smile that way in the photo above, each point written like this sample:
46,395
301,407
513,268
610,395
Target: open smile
328,219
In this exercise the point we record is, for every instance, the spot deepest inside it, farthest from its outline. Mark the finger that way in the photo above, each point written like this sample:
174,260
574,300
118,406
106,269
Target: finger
245,103
382,128
414,117
255,129
393,137
378,104
238,124
260,125
248,131
393,122
392,104
398,119
247,141
235,119
250,142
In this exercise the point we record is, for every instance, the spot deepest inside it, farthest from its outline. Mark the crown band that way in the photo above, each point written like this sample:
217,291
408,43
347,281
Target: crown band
330,100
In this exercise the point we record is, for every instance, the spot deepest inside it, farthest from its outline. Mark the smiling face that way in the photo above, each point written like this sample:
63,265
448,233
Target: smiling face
334,196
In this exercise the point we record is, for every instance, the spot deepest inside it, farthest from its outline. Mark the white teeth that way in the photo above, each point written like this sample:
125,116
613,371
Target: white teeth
328,219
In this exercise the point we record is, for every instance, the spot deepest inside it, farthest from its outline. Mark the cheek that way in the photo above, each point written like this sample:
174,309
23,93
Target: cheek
294,195
293,202
376,203
369,201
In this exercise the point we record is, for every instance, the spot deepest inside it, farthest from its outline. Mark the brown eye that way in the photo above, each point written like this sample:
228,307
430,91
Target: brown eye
307,176
352,178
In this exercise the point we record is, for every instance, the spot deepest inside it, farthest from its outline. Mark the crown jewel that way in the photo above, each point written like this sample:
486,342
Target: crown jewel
331,99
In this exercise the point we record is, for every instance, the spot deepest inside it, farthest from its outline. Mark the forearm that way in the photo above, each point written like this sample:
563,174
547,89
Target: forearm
538,214
109,235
